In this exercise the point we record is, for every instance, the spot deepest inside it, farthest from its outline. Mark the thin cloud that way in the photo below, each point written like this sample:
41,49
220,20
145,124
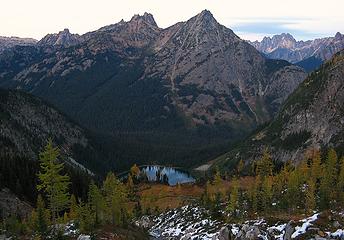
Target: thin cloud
300,28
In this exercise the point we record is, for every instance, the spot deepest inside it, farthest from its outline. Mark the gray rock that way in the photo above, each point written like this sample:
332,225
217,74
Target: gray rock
289,229
187,236
224,234
84,237
253,233
336,224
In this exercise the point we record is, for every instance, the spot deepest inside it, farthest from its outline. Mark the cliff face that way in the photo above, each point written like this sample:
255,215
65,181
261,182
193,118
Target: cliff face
311,118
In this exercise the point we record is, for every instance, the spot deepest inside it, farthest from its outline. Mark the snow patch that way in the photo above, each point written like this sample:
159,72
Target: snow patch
306,223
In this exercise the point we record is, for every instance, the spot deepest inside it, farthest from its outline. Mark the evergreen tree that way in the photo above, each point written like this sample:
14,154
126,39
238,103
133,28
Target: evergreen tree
294,189
73,208
254,194
234,197
310,203
86,218
240,166
130,183
115,198
137,209
52,182
326,190
40,218
267,193
340,183
135,171
96,202
265,166
206,197
217,179
316,167
305,170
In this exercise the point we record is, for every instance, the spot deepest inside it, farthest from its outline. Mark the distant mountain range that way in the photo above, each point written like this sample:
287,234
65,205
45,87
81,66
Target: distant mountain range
312,118
307,54
9,42
198,68
192,85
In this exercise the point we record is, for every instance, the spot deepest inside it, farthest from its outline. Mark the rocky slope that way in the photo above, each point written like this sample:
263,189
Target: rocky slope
284,46
27,122
311,118
11,205
193,222
9,42
214,75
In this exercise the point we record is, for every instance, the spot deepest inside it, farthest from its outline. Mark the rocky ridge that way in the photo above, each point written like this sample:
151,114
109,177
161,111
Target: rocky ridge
10,42
311,118
284,46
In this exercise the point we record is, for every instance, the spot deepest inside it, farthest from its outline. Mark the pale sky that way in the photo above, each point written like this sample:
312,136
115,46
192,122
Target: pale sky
250,19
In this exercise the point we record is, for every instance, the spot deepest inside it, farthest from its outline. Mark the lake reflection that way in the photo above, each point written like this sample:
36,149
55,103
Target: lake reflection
174,175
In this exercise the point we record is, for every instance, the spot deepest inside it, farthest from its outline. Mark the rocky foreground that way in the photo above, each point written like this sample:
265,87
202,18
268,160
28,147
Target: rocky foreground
193,222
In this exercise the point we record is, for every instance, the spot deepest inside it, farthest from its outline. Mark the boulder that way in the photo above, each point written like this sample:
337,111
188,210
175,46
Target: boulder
84,237
289,229
187,236
253,233
224,234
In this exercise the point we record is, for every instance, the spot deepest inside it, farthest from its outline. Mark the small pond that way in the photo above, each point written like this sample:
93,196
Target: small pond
172,175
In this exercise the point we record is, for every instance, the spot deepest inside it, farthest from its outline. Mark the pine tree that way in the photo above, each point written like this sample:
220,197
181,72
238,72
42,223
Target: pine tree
96,202
206,197
234,197
304,170
254,194
326,190
86,218
267,193
137,210
40,218
130,183
281,185
73,208
310,203
52,182
217,180
135,171
340,184
240,166
115,198
316,168
265,166
294,191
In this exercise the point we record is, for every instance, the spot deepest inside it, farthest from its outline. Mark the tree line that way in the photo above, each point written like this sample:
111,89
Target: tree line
106,203
316,183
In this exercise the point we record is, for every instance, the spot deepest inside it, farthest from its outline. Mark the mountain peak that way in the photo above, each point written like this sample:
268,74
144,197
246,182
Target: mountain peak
63,37
206,12
285,36
204,20
146,17
338,35
66,31
206,15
